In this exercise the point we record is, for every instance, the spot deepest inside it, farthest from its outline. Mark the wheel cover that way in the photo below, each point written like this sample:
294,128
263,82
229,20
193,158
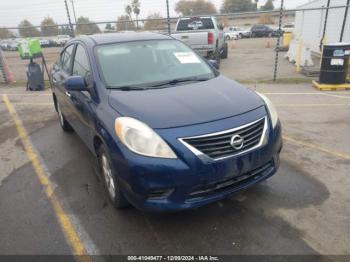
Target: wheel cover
107,174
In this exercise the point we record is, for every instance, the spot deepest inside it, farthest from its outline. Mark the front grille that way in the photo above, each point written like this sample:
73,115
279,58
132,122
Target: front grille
231,184
218,145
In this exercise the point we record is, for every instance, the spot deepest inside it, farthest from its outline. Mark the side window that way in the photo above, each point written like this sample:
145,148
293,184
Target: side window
81,66
66,58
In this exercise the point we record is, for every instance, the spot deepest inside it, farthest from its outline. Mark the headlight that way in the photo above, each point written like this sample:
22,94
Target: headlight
271,108
141,139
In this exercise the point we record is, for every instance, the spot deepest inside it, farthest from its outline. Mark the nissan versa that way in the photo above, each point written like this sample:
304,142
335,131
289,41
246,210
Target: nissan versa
169,132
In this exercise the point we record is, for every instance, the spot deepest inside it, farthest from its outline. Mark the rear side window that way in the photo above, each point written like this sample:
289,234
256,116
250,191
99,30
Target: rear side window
81,65
66,58
195,23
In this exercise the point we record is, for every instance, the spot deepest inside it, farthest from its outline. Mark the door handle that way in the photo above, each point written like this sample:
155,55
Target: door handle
68,94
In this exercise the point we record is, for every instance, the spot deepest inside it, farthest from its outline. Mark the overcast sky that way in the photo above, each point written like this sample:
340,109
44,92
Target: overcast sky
13,11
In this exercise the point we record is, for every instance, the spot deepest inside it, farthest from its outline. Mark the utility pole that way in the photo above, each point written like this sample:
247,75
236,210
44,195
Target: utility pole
69,21
75,17
168,16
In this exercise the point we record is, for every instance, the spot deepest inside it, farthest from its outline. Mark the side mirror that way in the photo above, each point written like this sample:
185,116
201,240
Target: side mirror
214,63
76,83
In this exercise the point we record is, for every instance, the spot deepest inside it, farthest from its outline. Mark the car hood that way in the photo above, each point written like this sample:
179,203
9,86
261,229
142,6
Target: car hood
187,104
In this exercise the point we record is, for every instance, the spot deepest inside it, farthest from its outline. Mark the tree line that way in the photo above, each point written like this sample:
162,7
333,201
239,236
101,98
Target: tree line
49,27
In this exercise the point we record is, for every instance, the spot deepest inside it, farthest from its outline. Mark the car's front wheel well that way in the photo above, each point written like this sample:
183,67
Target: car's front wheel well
97,144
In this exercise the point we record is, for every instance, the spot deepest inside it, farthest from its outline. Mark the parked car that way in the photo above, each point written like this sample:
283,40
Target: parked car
12,45
240,32
168,130
44,42
230,35
289,28
4,45
61,40
204,35
261,31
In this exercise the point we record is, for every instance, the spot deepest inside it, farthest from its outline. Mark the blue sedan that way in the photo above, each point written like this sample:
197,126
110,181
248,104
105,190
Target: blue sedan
169,131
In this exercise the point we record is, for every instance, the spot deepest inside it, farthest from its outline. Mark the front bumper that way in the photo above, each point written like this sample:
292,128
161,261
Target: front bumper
187,182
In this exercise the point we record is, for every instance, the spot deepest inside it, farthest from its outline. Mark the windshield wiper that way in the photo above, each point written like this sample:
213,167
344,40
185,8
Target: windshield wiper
128,88
181,80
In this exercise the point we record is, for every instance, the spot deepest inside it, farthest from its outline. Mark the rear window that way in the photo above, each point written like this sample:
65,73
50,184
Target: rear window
195,23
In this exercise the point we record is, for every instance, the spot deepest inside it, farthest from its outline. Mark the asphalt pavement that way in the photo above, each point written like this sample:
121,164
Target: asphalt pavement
303,209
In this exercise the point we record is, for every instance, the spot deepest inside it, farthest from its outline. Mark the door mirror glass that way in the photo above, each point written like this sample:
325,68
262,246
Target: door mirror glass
76,83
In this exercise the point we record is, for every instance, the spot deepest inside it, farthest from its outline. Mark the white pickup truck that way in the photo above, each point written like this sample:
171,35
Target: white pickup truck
204,35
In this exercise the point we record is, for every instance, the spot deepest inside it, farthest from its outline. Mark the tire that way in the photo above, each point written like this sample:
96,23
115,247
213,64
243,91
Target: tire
217,58
66,127
240,36
224,53
110,180
228,38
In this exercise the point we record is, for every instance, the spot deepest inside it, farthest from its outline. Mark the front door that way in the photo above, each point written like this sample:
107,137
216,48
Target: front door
61,72
82,101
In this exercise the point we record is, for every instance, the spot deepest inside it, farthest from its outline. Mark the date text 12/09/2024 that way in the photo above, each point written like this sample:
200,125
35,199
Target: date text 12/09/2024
173,258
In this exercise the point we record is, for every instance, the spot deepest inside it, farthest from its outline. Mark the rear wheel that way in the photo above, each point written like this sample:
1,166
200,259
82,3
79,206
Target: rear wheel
110,180
224,53
62,120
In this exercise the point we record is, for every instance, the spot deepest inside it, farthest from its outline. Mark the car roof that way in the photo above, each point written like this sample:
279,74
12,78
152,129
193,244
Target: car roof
110,38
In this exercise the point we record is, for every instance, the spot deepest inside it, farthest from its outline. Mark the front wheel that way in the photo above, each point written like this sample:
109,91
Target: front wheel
110,180
62,120
217,57
228,38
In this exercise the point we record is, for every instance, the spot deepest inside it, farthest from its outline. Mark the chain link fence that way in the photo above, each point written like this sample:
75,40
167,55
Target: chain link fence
316,23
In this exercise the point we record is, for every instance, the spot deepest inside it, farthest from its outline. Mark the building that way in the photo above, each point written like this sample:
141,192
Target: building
310,24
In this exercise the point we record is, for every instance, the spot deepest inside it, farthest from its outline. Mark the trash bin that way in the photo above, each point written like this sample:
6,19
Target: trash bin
287,38
335,63
35,77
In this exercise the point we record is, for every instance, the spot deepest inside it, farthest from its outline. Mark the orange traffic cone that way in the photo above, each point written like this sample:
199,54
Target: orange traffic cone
9,75
233,44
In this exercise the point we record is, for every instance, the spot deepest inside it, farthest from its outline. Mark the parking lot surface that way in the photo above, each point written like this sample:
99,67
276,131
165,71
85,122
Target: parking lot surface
303,209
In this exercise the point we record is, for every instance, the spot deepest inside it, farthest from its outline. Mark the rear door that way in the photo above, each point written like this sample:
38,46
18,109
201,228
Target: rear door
64,69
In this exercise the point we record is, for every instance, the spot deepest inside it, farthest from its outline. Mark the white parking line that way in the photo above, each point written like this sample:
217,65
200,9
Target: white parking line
311,105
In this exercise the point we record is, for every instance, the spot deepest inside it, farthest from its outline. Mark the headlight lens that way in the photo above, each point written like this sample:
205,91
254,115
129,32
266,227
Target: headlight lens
271,108
141,139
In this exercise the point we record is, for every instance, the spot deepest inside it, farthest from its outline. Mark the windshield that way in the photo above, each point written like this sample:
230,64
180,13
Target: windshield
149,63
